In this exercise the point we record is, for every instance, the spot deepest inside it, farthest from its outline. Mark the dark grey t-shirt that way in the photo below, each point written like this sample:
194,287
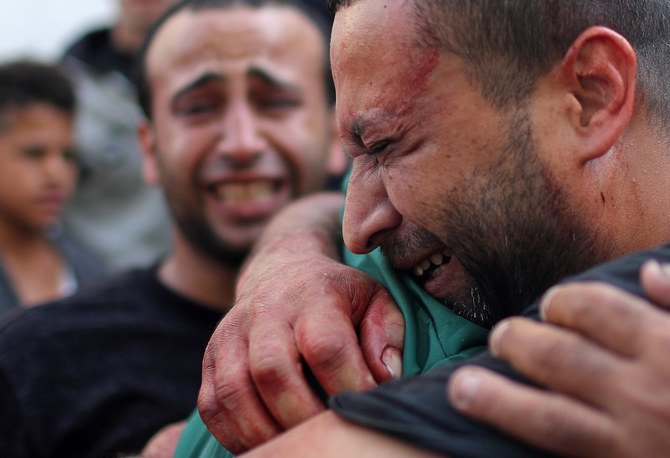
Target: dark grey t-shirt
417,410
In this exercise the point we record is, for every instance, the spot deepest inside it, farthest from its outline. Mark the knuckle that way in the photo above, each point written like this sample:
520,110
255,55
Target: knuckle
558,431
650,396
206,406
557,355
657,336
268,371
227,396
574,301
325,352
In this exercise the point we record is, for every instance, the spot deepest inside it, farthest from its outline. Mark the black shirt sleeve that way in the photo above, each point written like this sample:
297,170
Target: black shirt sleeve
13,437
416,409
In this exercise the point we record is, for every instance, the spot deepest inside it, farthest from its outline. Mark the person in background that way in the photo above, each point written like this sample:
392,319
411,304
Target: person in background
113,211
37,177
239,122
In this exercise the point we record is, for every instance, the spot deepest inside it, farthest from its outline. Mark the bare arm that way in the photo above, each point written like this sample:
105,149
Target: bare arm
604,355
297,306
164,442
327,435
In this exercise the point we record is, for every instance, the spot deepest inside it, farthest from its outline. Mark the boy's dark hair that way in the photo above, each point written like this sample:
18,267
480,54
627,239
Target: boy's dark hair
507,45
24,83
315,10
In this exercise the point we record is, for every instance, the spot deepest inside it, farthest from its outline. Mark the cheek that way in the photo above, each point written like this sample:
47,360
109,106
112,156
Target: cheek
18,185
414,195
183,149
70,178
401,188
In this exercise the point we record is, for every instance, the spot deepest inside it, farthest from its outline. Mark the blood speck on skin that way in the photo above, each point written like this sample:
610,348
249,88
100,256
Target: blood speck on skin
602,197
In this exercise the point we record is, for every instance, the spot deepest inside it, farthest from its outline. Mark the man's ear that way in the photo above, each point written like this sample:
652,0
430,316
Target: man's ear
600,67
147,140
338,160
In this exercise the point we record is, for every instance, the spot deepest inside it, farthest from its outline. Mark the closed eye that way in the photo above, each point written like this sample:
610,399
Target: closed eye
378,148
276,104
33,152
196,108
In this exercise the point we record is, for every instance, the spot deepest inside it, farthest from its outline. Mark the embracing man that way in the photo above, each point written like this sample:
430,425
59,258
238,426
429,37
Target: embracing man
498,147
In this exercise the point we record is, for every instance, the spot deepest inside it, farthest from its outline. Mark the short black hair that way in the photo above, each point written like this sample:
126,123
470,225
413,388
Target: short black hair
25,82
315,10
507,45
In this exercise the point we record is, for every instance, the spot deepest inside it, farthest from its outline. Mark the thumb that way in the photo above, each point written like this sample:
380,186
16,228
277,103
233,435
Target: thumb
382,337
655,278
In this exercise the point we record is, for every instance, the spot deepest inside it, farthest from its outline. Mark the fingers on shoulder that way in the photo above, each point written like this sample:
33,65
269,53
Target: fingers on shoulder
548,420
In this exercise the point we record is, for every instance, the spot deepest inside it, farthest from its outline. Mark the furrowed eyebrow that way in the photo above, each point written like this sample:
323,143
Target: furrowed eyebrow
200,81
271,80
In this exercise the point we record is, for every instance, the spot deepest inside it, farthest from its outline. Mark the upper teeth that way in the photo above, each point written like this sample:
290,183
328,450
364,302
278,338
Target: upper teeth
244,192
436,259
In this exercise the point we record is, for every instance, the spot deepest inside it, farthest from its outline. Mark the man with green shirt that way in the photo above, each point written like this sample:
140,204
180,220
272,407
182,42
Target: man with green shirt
527,169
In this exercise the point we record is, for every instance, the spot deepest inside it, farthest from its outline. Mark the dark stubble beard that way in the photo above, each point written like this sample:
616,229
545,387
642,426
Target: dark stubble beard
201,237
517,232
466,302
194,226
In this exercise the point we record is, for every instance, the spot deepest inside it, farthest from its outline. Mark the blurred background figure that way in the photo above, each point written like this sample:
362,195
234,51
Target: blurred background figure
37,177
238,103
114,213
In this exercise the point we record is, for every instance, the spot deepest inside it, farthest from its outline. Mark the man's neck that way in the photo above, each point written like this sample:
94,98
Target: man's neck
21,239
199,277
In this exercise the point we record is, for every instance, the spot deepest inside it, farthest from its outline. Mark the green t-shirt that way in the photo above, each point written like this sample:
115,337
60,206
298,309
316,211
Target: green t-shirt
434,335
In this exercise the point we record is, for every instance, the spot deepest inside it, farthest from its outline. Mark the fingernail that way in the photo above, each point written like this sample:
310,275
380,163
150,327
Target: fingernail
666,270
465,390
392,359
654,266
496,336
545,302
662,270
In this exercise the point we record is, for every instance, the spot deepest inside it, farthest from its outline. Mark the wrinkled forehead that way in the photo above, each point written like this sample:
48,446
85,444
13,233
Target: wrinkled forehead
377,67
32,113
358,30
38,124
279,37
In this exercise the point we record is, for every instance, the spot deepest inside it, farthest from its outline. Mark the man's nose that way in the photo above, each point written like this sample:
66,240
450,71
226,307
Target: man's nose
242,141
369,215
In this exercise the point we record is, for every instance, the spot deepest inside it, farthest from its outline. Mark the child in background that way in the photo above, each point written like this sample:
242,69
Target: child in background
38,171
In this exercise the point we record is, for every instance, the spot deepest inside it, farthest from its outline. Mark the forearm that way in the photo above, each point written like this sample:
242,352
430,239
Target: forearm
310,225
327,435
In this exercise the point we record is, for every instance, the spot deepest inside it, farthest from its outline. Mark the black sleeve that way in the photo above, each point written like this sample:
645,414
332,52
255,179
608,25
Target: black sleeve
416,409
13,440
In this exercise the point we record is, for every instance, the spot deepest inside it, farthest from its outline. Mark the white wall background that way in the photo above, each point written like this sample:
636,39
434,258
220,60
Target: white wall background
41,29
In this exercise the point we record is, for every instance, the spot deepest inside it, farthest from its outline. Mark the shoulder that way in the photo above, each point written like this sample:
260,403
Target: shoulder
624,272
89,43
99,303
86,266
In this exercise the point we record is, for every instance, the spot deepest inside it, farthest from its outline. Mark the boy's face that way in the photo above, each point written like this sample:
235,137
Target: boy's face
37,165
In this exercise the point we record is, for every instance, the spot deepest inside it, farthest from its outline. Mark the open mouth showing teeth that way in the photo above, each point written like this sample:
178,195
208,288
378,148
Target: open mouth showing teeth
431,267
248,192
